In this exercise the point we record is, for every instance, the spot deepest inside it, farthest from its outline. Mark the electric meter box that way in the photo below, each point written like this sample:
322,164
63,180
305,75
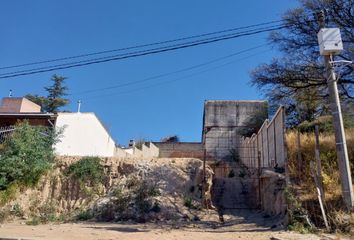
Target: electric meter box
330,41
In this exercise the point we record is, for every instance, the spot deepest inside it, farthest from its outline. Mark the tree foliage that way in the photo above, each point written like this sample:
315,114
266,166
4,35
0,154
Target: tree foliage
27,154
170,139
253,123
55,98
296,79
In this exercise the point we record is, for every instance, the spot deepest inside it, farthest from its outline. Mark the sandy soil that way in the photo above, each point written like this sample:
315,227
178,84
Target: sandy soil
239,225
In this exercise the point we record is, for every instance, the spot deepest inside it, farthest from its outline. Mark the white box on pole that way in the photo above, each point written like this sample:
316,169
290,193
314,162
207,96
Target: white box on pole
330,41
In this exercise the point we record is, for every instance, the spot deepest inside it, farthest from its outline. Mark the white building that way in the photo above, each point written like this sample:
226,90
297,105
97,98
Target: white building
83,135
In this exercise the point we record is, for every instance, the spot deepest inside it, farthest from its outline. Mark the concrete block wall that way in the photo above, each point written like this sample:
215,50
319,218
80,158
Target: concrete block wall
222,121
180,150
121,153
148,151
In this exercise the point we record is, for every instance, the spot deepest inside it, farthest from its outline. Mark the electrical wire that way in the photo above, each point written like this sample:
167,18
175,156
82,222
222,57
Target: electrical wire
170,81
136,52
140,46
169,73
140,53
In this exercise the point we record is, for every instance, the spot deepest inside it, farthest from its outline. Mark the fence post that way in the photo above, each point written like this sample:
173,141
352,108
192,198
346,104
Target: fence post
318,164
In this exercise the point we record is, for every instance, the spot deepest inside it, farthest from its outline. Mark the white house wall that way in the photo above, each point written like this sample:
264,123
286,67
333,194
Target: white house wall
83,135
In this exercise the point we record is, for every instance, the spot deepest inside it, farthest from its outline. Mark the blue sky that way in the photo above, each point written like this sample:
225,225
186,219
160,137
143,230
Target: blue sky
43,29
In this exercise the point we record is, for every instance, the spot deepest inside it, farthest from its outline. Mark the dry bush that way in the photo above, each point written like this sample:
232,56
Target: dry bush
304,182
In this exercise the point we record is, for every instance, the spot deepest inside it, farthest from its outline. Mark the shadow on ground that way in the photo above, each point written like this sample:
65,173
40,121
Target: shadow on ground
234,221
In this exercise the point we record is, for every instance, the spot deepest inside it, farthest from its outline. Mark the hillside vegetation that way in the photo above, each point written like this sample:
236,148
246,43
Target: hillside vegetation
304,185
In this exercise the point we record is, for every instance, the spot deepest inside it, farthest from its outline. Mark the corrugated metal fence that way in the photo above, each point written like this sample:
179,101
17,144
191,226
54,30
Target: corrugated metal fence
266,149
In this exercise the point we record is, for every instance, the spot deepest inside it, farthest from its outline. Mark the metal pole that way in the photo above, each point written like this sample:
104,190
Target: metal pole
341,145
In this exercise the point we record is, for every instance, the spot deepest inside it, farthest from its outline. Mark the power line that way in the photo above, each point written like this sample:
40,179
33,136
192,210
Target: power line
136,52
169,73
174,80
140,46
141,53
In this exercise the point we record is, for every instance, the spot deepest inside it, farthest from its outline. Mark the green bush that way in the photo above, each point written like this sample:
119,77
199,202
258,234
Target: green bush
86,170
84,215
26,155
8,194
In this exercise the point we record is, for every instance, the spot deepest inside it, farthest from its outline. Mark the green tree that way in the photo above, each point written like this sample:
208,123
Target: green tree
55,98
26,154
253,123
296,79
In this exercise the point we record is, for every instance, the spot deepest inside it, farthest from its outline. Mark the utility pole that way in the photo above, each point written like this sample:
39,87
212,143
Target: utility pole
330,44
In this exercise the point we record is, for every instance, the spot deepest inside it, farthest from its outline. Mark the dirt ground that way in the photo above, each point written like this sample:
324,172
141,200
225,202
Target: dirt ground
237,225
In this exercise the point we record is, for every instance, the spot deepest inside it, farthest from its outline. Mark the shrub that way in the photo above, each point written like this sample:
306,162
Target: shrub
306,193
298,216
47,212
189,203
8,194
17,210
84,215
26,155
325,124
42,214
131,199
170,139
86,170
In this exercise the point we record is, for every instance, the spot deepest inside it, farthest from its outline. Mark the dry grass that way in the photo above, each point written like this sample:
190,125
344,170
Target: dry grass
305,188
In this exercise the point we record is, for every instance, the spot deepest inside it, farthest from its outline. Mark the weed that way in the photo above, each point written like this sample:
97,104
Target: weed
17,210
84,215
132,199
86,170
8,194
47,212
298,216
188,202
